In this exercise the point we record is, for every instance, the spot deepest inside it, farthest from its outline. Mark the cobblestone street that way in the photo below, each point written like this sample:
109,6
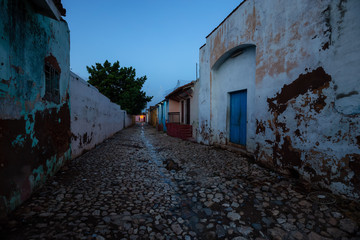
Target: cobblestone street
143,184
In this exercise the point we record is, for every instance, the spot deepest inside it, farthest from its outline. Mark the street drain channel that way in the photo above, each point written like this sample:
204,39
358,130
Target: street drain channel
322,198
158,162
185,206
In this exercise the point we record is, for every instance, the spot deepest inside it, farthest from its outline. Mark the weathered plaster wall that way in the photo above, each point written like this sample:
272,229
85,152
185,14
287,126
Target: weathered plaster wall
34,133
306,99
94,117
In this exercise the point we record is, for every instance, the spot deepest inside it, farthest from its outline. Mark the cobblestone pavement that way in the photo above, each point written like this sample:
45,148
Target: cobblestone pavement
142,184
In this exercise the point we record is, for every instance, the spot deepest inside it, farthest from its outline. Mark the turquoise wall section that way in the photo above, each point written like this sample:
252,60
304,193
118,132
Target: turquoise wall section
35,133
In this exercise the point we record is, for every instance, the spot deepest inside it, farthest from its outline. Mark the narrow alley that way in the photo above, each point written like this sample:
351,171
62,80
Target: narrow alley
143,184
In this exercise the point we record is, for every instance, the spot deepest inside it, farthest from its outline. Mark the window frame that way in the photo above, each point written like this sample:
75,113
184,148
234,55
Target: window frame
52,83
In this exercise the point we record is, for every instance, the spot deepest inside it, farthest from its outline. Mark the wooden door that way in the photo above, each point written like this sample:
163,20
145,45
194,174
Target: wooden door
238,105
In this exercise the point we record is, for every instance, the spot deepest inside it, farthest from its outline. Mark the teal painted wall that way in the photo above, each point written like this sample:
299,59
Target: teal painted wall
163,111
34,133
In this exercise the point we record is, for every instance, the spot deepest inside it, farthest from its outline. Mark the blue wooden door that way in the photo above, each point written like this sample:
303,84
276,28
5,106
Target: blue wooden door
238,105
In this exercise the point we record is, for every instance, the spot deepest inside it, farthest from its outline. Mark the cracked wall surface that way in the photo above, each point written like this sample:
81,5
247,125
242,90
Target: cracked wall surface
303,117
34,132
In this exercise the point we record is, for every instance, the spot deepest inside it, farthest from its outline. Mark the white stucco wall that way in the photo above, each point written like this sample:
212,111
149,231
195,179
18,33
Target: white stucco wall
305,106
93,117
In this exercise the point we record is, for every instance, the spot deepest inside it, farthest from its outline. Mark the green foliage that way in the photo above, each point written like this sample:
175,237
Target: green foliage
120,85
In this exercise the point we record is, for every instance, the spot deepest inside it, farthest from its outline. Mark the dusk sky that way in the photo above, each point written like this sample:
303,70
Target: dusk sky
159,38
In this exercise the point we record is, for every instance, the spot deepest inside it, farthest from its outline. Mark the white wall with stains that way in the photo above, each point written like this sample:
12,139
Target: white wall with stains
306,103
94,117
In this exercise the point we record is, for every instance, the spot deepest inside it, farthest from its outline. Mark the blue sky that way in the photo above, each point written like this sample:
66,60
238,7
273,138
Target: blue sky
159,38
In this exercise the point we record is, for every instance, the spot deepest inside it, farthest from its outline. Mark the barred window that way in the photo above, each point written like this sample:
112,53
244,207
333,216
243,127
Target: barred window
52,77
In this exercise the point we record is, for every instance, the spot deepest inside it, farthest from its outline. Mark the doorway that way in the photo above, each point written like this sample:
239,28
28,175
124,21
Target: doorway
238,109
188,111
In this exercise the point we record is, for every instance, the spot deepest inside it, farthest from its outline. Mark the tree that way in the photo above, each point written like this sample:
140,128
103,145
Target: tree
120,85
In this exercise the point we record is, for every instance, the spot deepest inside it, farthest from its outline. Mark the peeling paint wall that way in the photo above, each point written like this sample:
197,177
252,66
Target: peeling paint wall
34,132
94,117
305,108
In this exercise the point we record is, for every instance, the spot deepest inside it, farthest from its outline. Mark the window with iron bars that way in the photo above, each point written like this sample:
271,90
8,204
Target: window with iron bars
52,77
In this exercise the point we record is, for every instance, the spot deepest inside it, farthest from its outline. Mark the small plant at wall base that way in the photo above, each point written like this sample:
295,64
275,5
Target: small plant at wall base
120,85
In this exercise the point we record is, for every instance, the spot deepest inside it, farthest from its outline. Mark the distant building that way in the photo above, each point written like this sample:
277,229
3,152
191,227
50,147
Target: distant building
140,118
179,115
34,96
162,111
280,80
153,116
